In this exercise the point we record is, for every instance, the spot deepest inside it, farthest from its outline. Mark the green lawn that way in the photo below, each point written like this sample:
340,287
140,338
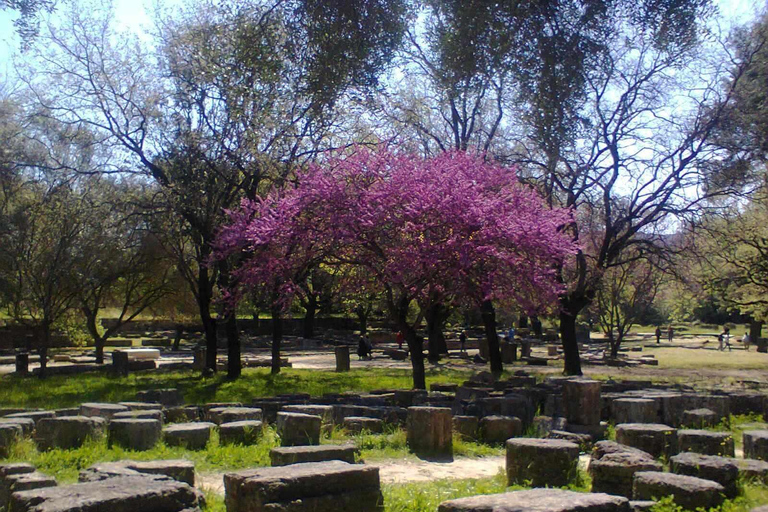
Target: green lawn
66,391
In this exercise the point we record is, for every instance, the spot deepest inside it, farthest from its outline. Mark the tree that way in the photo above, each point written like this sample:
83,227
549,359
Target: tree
626,293
28,23
450,223
237,95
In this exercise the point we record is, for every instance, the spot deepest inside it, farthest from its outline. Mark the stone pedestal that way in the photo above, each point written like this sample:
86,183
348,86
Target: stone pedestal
689,492
653,438
199,356
497,429
285,456
120,363
756,444
246,432
342,358
22,363
525,349
68,432
543,462
297,429
706,442
508,353
192,436
135,434
466,426
430,433
634,410
581,400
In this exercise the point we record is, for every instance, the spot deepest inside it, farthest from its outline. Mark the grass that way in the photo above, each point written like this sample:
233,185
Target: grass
690,359
67,391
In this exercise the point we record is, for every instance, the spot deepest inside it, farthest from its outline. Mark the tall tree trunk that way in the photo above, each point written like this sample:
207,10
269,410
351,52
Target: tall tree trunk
277,337
522,322
177,337
536,326
204,300
399,312
362,318
98,340
613,345
489,322
234,363
570,345
755,331
309,317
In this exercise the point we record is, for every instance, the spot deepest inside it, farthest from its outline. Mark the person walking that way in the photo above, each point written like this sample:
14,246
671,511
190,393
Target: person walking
670,333
463,341
746,340
658,334
400,339
726,342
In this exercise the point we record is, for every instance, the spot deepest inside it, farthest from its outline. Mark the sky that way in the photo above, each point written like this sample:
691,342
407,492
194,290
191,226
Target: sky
132,14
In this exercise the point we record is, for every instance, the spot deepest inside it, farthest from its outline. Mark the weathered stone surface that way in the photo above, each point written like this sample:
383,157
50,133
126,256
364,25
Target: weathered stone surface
287,455
9,434
193,436
581,400
497,429
27,424
674,406
538,500
595,432
358,424
687,491
708,467
543,425
634,410
756,444
142,406
751,469
511,404
183,414
169,397
706,442
653,438
15,468
120,494
603,448
22,482
545,462
135,434
67,411
311,487
430,432
466,426
613,472
137,414
641,505
583,440
324,411
177,469
219,415
100,410
700,418
68,432
297,429
34,415
245,432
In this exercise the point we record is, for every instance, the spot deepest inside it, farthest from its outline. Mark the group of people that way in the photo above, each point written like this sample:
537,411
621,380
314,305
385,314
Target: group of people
723,339
364,348
670,334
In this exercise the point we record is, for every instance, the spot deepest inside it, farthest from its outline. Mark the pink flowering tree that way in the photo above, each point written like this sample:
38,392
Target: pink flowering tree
453,225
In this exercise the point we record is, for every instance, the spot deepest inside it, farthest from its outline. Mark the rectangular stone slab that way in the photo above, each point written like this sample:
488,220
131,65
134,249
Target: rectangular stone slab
287,455
120,494
253,489
538,500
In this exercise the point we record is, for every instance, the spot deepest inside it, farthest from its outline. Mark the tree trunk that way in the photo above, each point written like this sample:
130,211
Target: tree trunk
613,345
45,341
435,319
536,326
98,340
277,337
570,345
204,299
522,322
399,312
362,318
234,364
489,321
755,331
309,318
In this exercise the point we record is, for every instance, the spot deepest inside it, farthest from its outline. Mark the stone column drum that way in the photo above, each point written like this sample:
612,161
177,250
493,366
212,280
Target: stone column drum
430,433
581,399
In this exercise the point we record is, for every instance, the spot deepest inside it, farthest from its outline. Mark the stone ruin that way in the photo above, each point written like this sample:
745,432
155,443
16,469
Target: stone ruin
652,422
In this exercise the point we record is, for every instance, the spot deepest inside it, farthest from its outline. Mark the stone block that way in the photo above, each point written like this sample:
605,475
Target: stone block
286,455
219,415
297,429
193,436
27,424
430,433
68,432
100,410
543,462
342,358
169,397
358,424
35,416
583,440
634,410
653,438
247,432
22,482
614,471
700,418
689,492
538,500
142,406
752,470
543,425
135,434
756,444
10,433
581,400
708,467
177,469
706,442
324,411
497,429
466,426
120,494
311,487
137,414
183,414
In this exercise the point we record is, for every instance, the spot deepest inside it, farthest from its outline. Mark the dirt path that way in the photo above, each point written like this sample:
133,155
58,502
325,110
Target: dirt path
400,471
